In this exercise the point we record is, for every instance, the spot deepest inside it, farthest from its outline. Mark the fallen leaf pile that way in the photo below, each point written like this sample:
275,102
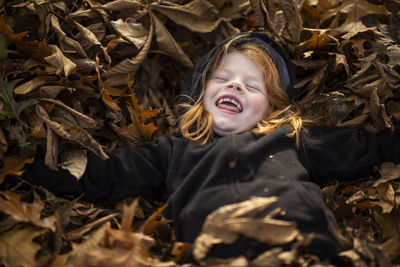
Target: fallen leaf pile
92,75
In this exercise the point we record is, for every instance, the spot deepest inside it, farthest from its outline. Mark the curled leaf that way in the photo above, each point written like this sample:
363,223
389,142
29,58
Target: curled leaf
132,64
61,63
72,132
33,84
132,31
197,15
168,44
224,225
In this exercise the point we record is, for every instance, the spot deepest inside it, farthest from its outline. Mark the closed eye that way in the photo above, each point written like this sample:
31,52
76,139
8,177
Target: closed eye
253,87
221,79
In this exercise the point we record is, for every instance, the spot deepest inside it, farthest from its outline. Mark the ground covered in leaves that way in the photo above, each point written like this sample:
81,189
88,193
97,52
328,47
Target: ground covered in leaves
94,75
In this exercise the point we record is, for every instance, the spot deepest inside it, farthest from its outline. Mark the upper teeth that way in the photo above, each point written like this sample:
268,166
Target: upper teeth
230,100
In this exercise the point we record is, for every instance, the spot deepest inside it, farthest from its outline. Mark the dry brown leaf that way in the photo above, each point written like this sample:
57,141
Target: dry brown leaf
341,60
196,15
51,157
17,247
82,13
133,31
33,84
269,258
13,165
393,51
392,247
120,5
63,38
3,146
61,63
358,45
168,44
12,205
355,11
389,223
218,3
270,231
224,225
81,117
386,198
389,171
114,42
238,261
233,11
378,111
292,19
87,34
258,13
74,161
91,38
355,122
78,254
78,233
72,132
130,65
128,213
126,249
313,83
394,109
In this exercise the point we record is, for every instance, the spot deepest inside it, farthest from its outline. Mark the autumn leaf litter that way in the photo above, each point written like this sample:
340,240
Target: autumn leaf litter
95,75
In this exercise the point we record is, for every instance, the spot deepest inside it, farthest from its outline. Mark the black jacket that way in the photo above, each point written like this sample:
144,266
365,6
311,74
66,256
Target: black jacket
194,179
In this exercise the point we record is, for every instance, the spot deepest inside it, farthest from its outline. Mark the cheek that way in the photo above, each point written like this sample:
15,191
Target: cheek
260,107
209,93
207,100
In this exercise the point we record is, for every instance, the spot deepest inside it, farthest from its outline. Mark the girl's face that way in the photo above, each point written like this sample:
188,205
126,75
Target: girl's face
235,95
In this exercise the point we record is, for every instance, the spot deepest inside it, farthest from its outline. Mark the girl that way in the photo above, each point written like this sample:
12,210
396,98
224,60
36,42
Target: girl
240,138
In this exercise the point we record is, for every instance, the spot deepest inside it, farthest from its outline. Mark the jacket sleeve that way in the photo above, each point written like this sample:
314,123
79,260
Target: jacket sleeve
346,154
129,171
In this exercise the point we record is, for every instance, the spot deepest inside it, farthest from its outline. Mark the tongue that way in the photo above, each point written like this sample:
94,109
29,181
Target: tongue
228,106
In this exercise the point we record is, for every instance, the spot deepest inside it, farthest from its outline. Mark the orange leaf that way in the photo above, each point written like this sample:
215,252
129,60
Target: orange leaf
105,96
146,130
152,222
7,32
179,250
143,114
33,48
317,40
13,165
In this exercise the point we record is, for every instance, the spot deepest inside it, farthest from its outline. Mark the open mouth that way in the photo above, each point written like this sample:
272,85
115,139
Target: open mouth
229,104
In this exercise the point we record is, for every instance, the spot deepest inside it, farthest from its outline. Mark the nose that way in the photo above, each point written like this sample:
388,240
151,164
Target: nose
237,85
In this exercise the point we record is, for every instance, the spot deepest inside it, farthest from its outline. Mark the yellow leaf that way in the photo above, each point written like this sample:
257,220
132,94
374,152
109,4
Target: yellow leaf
13,165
